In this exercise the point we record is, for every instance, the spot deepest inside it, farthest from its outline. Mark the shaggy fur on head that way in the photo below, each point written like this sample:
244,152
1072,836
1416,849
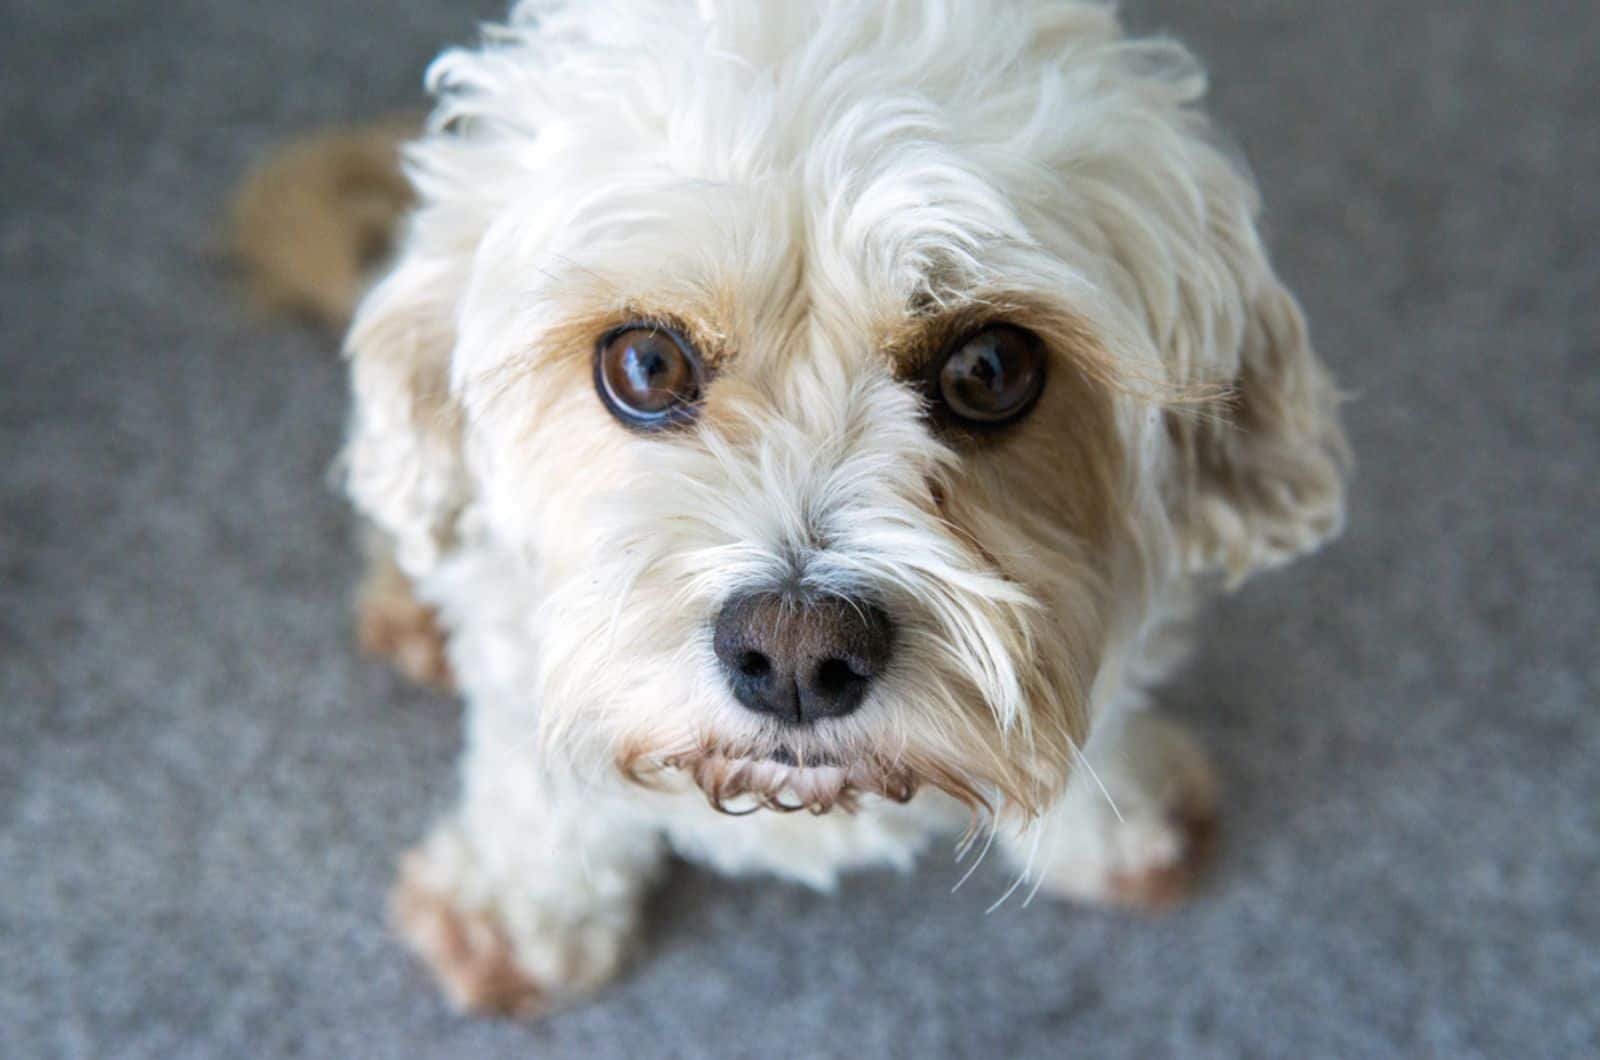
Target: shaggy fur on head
819,198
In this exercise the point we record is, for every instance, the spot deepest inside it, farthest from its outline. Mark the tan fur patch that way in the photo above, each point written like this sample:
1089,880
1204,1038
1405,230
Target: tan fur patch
392,623
467,952
1164,886
1067,443
311,222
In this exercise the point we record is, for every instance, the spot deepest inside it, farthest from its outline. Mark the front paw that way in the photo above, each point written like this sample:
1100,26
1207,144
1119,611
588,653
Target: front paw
1145,839
469,953
500,949
1166,860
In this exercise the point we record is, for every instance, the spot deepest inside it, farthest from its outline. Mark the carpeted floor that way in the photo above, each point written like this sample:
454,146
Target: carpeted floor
202,787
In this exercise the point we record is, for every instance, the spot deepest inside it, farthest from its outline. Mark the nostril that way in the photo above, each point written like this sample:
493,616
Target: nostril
754,664
835,676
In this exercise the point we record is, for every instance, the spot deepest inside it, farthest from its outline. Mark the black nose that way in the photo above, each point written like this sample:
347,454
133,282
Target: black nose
801,659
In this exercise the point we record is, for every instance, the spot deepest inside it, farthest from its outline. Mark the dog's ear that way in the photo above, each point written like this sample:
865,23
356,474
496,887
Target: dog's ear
1260,472
403,460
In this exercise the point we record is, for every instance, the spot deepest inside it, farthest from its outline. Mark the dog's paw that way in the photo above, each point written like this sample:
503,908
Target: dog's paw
391,623
468,952
518,948
1165,862
1141,836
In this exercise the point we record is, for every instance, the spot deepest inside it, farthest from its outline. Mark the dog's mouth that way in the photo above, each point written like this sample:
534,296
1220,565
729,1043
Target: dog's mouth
783,777
789,775
784,755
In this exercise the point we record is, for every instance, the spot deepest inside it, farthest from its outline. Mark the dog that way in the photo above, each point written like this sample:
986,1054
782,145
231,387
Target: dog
802,431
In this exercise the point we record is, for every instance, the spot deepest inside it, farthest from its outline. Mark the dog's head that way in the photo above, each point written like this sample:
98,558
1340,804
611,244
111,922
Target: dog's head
852,383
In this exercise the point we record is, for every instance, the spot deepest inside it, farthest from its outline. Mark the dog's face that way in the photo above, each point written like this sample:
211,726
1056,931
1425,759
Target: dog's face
835,416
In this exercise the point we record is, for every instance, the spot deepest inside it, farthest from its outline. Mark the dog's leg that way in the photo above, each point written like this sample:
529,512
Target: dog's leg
1136,823
392,623
522,899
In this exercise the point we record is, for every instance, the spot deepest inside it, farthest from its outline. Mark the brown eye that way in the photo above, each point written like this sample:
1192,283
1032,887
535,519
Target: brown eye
647,376
992,376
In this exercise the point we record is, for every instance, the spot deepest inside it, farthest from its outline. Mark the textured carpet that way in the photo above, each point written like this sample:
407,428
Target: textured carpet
202,787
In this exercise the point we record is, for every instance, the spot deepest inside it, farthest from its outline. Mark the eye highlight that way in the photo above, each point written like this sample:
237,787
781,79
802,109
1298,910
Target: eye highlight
990,377
648,376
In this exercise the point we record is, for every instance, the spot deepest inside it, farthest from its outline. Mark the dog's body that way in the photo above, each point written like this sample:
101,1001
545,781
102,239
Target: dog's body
829,406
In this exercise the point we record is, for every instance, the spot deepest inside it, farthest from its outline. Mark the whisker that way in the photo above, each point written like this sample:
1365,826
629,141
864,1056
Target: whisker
1084,760
994,827
1033,850
1038,882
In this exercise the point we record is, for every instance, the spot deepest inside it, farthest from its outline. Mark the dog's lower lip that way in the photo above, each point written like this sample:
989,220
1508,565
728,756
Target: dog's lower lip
785,756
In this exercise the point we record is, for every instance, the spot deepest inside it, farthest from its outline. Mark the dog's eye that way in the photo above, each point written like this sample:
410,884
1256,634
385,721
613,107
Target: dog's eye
992,376
647,376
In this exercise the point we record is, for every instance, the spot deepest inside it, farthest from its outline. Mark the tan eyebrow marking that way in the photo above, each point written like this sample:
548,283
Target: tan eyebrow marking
913,342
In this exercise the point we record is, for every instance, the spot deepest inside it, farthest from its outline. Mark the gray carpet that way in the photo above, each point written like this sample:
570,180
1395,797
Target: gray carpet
202,787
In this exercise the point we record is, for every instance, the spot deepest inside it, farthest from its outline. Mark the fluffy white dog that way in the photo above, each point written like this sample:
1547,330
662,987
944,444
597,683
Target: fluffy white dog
829,406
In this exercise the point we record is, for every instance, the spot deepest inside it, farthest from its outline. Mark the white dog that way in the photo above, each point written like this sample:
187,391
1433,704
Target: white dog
829,406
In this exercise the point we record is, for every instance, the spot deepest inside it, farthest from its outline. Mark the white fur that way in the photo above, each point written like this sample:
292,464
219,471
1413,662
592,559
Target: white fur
805,177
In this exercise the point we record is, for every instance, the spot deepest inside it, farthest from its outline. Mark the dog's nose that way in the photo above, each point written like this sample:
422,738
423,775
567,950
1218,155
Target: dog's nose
801,660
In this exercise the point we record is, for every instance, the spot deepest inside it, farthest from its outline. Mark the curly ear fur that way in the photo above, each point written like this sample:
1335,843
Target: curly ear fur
1258,472
403,461
308,229
1261,474
309,226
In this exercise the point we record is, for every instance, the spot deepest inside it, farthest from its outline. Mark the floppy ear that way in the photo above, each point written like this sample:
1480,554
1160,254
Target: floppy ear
403,461
1260,475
